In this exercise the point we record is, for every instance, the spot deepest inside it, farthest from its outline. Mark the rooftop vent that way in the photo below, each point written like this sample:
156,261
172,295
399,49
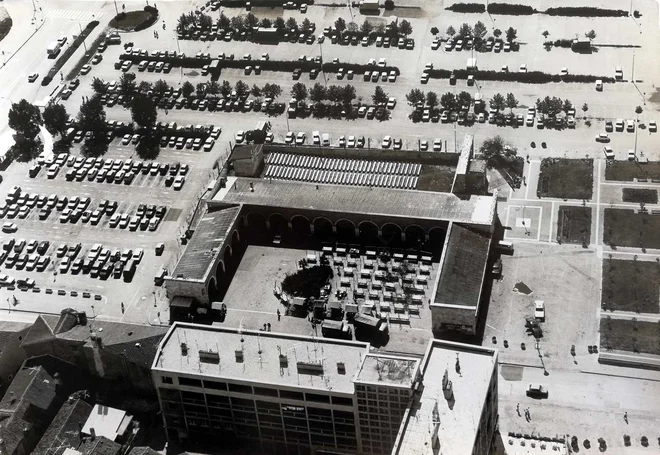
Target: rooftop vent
239,355
284,361
209,357
184,349
341,368
314,369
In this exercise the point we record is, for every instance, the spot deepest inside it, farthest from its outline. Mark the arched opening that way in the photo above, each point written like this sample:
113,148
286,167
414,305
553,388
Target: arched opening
256,227
415,236
213,290
278,223
323,228
227,258
368,233
345,231
436,240
391,235
301,227
235,241
222,280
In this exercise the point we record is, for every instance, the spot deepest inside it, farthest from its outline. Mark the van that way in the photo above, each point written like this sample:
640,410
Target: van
159,279
599,85
505,246
325,139
316,137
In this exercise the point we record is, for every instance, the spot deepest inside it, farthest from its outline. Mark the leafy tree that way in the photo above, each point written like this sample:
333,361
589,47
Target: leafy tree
299,91
334,93
127,84
394,28
25,118
213,88
241,88
272,90
380,29
91,116
567,105
144,87
448,101
451,31
266,23
340,25
432,100
317,93
511,101
379,95
255,91
497,32
160,87
352,27
251,20
182,23
98,85
415,96
465,31
389,5
366,27
590,34
638,110
237,23
405,28
25,149
434,31
479,30
187,89
495,151
55,118
200,88
279,23
226,88
143,111
498,102
463,99
205,21
511,34
148,147
306,24
223,21
545,34
291,24
348,94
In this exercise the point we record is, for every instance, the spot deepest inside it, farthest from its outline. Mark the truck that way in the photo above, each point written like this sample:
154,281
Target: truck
370,324
53,49
129,269
336,329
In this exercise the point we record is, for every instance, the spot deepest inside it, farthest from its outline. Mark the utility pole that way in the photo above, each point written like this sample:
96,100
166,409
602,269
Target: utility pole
116,8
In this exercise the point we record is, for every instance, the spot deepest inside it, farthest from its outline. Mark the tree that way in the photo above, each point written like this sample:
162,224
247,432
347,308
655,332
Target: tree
144,87
434,31
25,118
352,27
340,25
464,99
479,30
25,149
366,27
127,84
223,21
497,32
205,21
511,34
348,94
380,29
291,24
200,88
567,105
272,90
266,23
299,91
405,28
333,93
306,24
55,118
431,100
226,89
492,151
415,96
379,95
148,147
160,87
389,5
186,89
448,101
255,91
465,31
498,102
511,101
251,20
590,34
638,110
241,88
91,116
143,111
451,31
545,34
317,93
213,88
279,23
98,85
237,23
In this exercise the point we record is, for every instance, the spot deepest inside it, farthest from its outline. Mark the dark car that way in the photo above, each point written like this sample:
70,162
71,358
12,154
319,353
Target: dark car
537,391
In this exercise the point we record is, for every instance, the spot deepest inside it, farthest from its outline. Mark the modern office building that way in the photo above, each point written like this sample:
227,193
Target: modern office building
294,394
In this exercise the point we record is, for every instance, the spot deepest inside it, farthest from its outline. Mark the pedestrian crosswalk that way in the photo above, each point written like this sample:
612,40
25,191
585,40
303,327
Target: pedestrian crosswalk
79,15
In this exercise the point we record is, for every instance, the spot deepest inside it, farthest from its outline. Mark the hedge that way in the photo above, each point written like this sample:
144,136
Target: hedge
531,77
66,55
467,8
585,11
150,21
510,9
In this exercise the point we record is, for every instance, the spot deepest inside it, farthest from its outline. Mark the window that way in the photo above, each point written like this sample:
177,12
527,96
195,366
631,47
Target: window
167,379
215,385
318,398
240,388
265,391
190,382
342,401
291,395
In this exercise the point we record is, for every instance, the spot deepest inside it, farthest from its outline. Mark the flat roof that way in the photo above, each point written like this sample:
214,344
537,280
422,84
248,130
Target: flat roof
392,370
309,362
105,421
206,243
458,424
390,202
462,267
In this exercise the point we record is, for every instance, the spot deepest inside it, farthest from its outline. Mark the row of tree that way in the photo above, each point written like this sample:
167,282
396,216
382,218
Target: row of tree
191,21
452,102
479,32
367,28
553,106
319,93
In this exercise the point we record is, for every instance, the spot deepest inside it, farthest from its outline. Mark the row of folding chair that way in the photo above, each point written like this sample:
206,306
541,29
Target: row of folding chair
340,178
341,164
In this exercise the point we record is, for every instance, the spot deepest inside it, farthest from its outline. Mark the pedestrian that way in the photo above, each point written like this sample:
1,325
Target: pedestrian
518,409
269,326
279,316
264,327
625,417
122,307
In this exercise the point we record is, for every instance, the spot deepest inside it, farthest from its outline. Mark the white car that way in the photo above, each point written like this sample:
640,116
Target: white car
33,77
602,137
350,143
178,182
630,126
289,138
391,102
126,139
208,144
631,155
316,138
609,154
300,138
539,310
523,68
9,228
387,142
86,69
653,127
424,145
564,71
437,145
240,136
342,141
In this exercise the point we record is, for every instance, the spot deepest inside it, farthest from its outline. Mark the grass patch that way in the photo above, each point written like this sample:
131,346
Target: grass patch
134,20
5,26
632,336
436,178
631,286
627,171
91,50
566,179
574,225
643,195
624,227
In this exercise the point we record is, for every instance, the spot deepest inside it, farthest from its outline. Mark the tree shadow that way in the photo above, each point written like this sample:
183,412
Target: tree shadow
96,146
62,145
148,148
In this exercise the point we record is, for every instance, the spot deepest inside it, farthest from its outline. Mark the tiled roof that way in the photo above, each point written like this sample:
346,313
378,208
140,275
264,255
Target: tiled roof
64,430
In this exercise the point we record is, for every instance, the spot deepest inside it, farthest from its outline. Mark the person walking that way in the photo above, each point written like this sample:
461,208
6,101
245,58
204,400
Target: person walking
268,327
279,315
122,307
625,417
518,409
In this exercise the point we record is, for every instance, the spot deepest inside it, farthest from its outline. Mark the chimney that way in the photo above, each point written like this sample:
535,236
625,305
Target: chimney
58,381
251,187
184,349
92,433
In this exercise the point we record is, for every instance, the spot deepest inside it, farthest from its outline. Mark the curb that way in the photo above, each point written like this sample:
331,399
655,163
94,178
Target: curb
26,41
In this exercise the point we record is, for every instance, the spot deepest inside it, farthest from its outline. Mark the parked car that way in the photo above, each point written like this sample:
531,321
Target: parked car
537,391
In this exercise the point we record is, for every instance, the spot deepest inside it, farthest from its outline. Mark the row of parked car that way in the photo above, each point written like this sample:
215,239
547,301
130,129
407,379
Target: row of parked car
459,44
100,262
